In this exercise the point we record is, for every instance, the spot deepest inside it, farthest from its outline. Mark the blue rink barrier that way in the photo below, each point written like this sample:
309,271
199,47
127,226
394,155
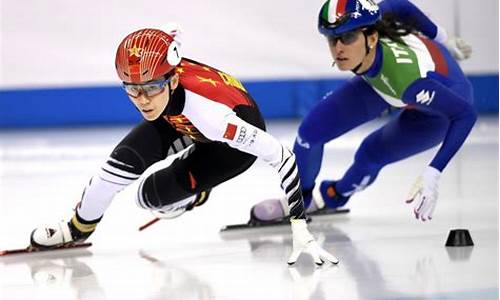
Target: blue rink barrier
77,106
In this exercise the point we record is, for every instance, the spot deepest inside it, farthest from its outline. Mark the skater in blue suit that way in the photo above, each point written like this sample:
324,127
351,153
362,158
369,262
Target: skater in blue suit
401,59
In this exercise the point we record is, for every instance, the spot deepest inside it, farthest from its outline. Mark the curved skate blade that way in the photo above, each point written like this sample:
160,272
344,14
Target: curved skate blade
31,249
329,211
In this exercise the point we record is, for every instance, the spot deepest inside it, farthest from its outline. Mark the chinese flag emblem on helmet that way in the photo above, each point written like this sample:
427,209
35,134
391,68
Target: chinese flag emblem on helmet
145,55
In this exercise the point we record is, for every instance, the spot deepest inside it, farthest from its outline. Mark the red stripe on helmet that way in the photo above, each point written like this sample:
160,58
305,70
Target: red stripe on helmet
341,6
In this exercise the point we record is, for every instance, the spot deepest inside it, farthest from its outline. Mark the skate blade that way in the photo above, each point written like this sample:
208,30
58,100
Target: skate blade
31,249
329,211
255,225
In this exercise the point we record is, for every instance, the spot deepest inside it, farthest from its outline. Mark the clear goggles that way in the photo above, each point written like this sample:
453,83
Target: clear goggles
149,89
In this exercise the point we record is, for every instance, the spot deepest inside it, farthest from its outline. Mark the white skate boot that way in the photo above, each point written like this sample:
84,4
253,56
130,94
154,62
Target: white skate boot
51,236
63,233
176,209
276,210
172,211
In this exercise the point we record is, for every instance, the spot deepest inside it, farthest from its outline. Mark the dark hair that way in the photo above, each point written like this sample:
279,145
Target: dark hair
390,27
171,73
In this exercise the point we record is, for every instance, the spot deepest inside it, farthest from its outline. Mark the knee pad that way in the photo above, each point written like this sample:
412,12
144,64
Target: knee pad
126,160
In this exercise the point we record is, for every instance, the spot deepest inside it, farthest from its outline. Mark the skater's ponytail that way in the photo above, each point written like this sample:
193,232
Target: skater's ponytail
390,27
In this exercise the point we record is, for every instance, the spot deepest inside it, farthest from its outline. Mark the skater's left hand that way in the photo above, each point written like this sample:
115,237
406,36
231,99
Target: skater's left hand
425,193
303,241
174,30
459,48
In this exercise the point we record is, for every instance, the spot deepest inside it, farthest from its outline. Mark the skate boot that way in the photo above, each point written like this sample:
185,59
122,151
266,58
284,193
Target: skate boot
277,210
200,199
327,197
63,233
269,211
176,209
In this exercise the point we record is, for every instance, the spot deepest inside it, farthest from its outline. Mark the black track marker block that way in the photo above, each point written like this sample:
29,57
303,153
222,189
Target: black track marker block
459,238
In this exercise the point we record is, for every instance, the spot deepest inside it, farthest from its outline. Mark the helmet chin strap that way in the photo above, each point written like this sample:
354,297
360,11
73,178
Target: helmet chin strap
367,50
170,89
170,94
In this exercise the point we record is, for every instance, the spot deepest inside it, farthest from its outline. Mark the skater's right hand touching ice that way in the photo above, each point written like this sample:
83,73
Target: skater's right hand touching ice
303,241
425,193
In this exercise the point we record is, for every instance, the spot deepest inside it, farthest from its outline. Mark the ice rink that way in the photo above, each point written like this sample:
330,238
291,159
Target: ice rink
384,252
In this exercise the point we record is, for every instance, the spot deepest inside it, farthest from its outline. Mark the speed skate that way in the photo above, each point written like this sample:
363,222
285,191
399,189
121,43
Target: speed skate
285,221
31,249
